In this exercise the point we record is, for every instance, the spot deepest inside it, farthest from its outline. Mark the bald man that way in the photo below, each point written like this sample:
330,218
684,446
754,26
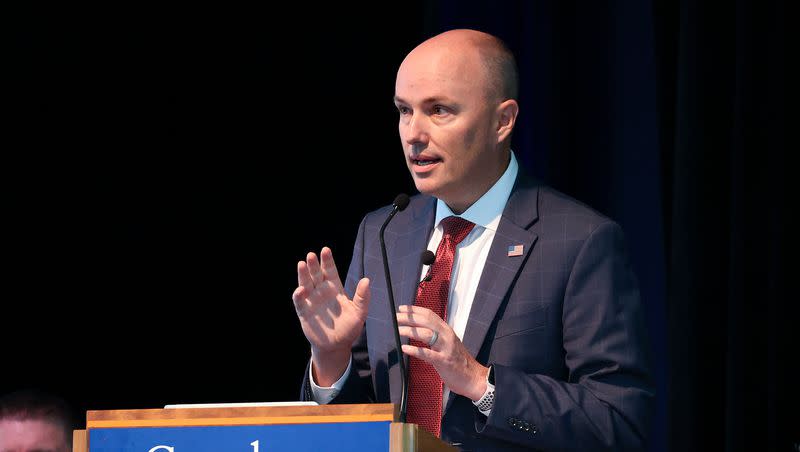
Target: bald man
526,330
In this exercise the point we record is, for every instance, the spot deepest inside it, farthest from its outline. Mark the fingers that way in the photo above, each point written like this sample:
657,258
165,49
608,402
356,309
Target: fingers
452,361
312,272
314,269
304,276
422,353
328,266
410,315
309,273
362,296
299,299
417,333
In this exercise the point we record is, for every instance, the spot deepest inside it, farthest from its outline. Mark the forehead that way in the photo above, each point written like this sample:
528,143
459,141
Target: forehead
23,435
450,72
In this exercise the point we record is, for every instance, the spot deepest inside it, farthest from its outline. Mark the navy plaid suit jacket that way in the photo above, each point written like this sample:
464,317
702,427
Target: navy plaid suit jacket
561,324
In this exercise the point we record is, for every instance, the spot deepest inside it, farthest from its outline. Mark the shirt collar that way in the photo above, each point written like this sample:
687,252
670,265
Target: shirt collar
488,209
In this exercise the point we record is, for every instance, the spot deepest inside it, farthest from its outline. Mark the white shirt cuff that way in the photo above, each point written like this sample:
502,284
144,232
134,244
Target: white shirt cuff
323,395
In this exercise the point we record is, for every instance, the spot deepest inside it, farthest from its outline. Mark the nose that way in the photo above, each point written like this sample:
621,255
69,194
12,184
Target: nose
415,131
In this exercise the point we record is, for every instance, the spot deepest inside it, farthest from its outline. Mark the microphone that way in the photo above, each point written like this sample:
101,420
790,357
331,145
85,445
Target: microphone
400,203
427,258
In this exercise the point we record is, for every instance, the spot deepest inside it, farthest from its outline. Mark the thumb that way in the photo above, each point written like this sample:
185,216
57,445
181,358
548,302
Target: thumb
362,296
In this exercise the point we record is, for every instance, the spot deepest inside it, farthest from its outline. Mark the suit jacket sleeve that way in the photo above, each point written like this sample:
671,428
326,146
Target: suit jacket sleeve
606,401
358,386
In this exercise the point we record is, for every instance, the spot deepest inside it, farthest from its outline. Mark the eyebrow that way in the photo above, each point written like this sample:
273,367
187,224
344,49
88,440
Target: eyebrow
427,100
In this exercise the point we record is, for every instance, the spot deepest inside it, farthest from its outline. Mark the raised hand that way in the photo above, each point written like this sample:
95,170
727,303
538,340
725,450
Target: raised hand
331,321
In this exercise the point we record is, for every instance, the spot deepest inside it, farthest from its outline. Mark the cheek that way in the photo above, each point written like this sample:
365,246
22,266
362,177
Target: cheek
463,148
470,136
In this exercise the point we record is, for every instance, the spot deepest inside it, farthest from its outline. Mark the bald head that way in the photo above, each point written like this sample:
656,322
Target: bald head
455,95
467,50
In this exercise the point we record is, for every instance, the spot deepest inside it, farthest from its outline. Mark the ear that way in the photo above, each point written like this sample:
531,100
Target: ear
506,115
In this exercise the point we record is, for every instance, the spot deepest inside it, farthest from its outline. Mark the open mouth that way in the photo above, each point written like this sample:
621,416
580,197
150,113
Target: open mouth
425,161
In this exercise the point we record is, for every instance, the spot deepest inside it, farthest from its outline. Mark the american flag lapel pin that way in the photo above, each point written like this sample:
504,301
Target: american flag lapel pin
514,250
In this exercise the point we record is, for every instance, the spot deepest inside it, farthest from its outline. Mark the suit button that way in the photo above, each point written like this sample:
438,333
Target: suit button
534,430
512,421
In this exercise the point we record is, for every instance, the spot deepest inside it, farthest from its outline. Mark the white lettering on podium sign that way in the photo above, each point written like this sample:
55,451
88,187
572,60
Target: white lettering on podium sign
172,449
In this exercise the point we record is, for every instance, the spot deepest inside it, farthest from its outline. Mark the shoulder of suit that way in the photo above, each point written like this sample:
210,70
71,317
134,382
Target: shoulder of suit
553,203
417,203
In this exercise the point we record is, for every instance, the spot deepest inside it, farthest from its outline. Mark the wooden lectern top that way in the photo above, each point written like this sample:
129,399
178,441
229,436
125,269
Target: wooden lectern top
242,415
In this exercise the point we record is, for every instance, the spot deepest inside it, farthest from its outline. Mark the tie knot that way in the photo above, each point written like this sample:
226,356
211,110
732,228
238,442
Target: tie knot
456,228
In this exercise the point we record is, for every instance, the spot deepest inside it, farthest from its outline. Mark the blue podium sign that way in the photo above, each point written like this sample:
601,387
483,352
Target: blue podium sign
343,436
233,428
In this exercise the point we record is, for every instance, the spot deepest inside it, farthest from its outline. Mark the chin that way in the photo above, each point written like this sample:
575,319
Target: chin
426,187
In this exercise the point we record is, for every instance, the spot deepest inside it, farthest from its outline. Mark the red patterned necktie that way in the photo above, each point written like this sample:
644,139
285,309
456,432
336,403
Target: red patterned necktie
425,385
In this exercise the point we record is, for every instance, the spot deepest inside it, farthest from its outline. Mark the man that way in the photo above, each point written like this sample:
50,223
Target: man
34,422
526,331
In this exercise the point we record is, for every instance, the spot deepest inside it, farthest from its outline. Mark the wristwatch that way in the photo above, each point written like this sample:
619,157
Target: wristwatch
486,402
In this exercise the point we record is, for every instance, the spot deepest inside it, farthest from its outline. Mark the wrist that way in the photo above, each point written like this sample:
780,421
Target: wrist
328,366
479,386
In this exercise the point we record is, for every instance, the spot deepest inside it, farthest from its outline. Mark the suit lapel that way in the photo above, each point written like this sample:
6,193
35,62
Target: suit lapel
500,269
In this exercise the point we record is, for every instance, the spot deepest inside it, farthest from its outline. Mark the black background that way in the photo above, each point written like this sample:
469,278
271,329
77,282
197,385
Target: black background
168,169
164,168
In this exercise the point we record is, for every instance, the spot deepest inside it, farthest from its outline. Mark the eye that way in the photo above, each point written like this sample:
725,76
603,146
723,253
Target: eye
403,109
440,110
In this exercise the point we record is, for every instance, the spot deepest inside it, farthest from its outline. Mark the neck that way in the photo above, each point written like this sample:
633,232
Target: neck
459,206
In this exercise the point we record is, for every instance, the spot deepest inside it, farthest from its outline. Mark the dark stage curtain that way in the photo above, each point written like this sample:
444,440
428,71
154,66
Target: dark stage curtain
722,103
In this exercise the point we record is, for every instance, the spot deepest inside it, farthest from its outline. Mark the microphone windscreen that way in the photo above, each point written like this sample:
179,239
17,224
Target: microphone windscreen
427,257
401,201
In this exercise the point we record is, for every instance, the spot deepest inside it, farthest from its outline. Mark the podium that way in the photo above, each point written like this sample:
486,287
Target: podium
369,427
